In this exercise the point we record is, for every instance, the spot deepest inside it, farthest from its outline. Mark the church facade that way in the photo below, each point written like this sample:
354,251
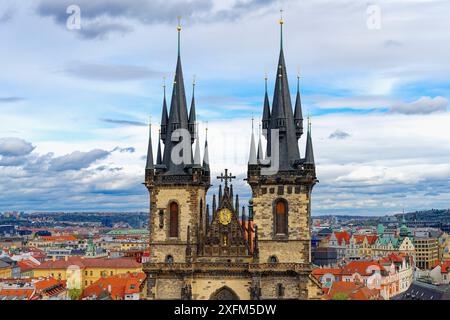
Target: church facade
225,251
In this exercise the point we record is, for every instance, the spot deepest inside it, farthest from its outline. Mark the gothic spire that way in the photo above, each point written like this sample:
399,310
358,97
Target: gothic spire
214,206
282,117
309,154
197,158
243,217
206,153
220,195
298,116
178,117
192,115
149,164
252,158
158,156
164,116
260,153
266,108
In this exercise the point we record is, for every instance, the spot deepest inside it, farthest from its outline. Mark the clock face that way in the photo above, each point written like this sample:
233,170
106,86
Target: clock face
225,216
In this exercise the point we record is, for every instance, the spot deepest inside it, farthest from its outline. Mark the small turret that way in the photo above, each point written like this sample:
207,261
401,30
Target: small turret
298,115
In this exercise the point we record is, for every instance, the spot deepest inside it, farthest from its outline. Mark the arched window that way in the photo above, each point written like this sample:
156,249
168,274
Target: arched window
280,290
169,259
273,259
281,217
173,225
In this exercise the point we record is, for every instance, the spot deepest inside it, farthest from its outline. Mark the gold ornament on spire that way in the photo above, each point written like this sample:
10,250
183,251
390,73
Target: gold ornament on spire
281,17
179,24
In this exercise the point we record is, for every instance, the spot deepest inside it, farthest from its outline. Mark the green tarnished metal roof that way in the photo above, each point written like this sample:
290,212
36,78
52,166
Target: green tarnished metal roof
127,231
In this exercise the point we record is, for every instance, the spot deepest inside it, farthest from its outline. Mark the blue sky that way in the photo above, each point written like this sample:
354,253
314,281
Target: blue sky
74,104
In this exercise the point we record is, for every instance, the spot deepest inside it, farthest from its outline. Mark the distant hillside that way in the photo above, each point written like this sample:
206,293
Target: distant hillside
442,215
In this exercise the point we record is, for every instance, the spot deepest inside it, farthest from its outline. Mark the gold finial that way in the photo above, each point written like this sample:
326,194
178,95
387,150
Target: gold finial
281,16
179,24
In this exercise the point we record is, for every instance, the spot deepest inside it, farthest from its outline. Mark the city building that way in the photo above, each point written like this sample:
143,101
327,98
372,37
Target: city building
425,291
80,273
427,250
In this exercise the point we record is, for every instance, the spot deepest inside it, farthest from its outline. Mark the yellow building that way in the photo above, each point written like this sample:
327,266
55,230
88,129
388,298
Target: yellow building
427,252
5,270
80,273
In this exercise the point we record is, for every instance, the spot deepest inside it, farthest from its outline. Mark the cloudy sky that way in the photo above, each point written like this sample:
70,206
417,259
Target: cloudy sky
75,103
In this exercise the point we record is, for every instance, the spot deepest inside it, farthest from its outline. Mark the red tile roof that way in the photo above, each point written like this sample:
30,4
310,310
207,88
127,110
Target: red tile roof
342,236
90,263
25,294
353,291
322,271
393,257
364,268
445,266
59,238
371,239
26,265
118,286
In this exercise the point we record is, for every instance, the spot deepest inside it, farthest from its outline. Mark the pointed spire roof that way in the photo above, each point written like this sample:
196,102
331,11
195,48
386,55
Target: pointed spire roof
197,158
282,116
149,164
206,153
298,103
309,154
164,115
252,158
192,115
178,117
260,153
266,108
158,156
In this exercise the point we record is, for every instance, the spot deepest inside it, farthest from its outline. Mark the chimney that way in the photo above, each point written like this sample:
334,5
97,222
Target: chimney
66,258
109,288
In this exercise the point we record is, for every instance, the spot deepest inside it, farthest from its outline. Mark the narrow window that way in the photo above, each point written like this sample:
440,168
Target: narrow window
169,259
281,217
173,227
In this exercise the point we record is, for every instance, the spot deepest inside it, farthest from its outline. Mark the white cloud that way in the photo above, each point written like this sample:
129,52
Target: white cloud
423,105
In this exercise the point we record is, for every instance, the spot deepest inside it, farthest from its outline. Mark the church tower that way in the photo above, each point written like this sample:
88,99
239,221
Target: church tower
281,183
177,185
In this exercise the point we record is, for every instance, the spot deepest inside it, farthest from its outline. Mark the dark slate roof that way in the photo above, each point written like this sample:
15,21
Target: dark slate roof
206,156
309,154
164,117
178,118
282,109
192,116
425,291
149,164
298,104
266,108
158,155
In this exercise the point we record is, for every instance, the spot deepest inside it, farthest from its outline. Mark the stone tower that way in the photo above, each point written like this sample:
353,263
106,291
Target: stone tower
281,185
177,184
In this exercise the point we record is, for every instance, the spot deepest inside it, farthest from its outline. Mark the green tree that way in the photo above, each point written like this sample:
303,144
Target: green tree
340,296
75,294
